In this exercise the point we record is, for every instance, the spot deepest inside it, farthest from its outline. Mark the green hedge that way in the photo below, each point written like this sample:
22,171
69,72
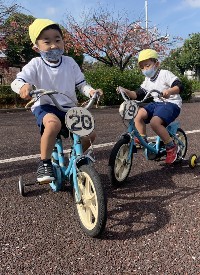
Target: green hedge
108,79
105,78
8,98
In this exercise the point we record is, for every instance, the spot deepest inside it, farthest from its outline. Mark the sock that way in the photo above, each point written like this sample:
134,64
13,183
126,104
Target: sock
169,144
46,161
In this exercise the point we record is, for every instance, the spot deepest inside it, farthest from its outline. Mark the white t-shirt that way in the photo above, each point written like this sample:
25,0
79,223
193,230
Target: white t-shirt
63,77
163,80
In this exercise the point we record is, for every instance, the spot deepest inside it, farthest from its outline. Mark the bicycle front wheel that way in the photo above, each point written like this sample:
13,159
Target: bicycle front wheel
92,210
119,163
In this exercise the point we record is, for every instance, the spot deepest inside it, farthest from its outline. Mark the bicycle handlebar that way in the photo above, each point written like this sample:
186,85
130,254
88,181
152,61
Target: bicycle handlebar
39,92
126,98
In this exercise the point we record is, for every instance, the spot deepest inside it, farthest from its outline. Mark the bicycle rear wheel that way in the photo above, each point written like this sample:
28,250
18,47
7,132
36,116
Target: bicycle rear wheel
92,210
181,141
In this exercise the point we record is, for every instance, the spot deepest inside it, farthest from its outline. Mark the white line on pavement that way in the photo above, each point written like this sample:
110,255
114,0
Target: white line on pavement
67,151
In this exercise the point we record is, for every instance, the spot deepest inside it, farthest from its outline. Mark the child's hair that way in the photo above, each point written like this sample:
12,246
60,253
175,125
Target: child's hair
54,27
153,60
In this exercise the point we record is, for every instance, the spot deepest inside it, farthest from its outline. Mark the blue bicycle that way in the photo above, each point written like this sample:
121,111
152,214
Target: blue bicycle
89,196
121,156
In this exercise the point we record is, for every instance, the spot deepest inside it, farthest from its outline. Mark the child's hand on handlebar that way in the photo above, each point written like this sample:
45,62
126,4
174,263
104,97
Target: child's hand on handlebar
128,93
92,92
166,93
24,91
120,89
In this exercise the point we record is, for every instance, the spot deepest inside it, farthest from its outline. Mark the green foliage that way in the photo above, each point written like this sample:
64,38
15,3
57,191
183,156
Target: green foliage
19,49
187,85
173,62
195,86
186,57
108,78
8,98
191,52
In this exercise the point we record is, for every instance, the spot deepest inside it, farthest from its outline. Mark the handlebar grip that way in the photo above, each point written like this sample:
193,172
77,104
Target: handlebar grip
31,93
124,95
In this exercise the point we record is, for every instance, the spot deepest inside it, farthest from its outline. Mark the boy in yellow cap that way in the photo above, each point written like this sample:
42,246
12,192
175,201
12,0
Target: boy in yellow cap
158,113
51,71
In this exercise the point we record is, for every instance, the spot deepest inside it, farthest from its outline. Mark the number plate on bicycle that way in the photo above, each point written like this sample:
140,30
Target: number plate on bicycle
79,121
128,109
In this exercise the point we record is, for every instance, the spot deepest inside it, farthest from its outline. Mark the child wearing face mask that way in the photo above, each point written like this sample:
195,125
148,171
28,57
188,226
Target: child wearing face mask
51,71
158,113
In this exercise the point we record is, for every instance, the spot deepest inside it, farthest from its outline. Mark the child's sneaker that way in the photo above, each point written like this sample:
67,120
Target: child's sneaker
45,172
171,154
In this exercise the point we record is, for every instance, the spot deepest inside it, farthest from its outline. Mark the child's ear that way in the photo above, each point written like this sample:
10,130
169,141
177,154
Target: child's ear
35,48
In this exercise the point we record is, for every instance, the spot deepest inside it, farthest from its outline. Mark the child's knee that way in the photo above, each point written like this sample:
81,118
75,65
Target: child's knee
141,115
156,122
52,123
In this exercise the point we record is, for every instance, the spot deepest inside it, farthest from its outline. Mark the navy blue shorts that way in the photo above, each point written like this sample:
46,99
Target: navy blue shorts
40,111
167,111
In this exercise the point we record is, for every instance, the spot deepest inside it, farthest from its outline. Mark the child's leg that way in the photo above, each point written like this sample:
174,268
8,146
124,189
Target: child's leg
171,148
158,127
52,126
164,114
139,121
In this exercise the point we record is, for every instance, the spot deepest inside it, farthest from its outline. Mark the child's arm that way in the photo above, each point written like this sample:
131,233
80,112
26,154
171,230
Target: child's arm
25,90
174,83
21,88
171,91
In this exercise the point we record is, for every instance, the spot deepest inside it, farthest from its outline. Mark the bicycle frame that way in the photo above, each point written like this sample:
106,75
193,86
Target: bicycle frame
64,171
132,131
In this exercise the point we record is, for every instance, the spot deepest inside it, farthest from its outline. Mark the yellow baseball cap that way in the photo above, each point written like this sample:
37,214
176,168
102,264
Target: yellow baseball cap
37,26
146,54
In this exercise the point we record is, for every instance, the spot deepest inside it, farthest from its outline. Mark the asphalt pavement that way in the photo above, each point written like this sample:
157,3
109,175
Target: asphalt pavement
153,220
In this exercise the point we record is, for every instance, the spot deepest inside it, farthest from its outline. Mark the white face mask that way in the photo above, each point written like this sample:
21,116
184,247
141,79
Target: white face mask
52,55
149,73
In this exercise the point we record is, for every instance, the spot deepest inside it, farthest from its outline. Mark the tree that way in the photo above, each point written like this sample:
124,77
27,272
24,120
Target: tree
113,41
173,62
186,57
190,54
5,11
18,45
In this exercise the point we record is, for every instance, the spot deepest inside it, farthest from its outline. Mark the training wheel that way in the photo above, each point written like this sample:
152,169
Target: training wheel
192,161
21,186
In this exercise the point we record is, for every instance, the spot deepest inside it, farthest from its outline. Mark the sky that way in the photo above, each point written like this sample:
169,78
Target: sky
174,17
